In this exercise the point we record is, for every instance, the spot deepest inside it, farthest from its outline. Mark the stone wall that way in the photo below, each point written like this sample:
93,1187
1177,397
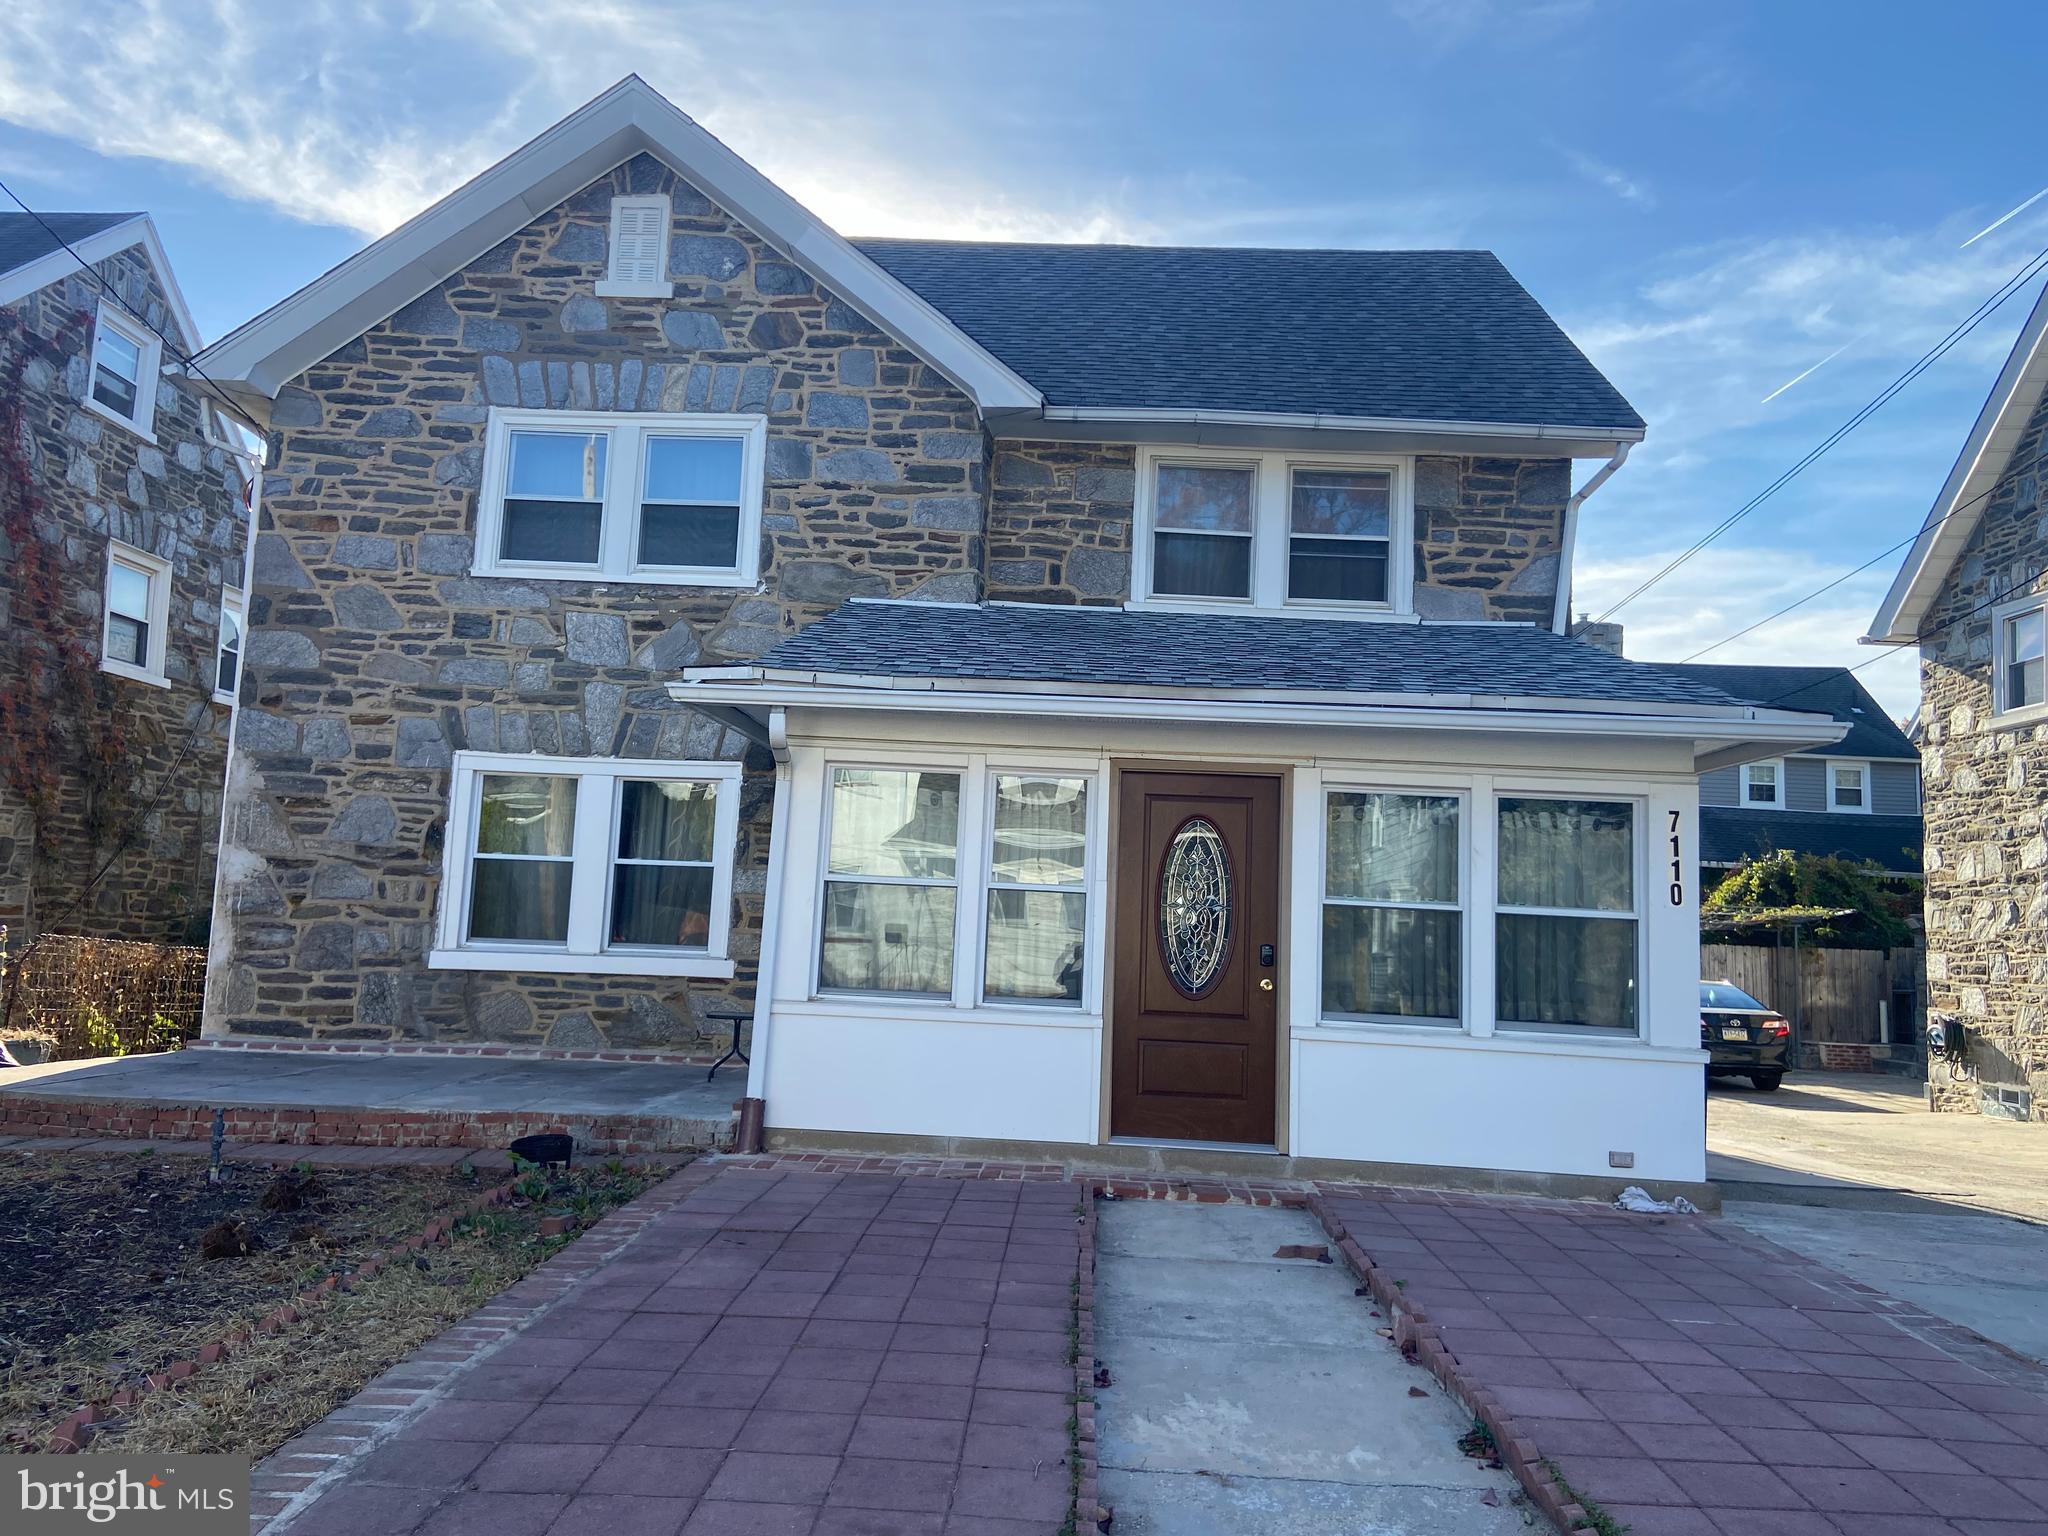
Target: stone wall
179,497
1985,792
1488,532
375,654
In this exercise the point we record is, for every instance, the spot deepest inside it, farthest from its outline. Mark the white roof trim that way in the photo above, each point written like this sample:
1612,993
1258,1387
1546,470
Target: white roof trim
260,357
1987,452
24,280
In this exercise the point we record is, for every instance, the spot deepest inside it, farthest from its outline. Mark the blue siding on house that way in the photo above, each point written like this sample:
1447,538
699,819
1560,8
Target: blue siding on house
1806,784
1895,789
1721,786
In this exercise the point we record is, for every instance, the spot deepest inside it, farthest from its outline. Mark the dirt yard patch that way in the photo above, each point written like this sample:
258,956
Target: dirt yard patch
105,1276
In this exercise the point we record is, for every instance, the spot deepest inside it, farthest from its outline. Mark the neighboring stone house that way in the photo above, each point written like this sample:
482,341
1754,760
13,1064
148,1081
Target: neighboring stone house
1857,799
119,587
1972,595
952,654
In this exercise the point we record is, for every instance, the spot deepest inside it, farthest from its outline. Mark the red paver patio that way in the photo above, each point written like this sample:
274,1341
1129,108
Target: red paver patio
1695,1382
781,1354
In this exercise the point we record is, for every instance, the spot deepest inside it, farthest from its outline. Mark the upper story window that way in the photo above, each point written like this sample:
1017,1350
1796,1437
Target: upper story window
1763,785
126,358
138,612
227,661
612,866
1273,531
661,499
638,252
1848,786
2020,679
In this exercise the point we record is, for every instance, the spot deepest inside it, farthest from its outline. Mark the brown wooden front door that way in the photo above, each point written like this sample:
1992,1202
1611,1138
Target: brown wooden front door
1197,941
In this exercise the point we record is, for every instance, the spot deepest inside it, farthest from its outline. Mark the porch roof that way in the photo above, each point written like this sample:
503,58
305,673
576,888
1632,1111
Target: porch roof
1116,646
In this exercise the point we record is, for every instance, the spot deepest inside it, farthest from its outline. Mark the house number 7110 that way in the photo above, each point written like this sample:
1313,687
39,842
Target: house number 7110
1677,865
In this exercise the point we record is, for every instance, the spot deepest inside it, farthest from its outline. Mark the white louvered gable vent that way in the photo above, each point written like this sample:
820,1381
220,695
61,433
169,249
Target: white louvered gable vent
639,249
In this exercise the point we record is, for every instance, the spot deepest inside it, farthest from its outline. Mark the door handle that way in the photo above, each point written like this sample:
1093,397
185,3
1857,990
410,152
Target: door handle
1265,983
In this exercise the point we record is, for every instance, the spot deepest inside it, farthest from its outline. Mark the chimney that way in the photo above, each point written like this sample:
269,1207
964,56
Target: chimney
1606,636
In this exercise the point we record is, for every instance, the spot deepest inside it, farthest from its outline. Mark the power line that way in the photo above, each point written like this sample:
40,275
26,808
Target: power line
185,358
2005,290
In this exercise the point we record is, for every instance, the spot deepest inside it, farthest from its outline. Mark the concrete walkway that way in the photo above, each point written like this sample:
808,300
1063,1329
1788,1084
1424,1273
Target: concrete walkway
1251,1394
779,1354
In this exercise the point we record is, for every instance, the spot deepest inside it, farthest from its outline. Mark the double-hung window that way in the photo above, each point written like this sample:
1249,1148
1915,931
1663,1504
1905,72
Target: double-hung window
227,659
1393,929
606,865
1566,920
669,499
126,358
1274,532
891,882
138,604
2022,671
1763,785
1848,786
1038,889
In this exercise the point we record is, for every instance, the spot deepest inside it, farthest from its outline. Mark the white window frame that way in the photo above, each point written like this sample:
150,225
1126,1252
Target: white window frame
1638,913
237,604
1742,799
612,285
1834,766
1272,532
157,572
619,521
585,951
971,884
149,349
1463,906
990,884
2001,616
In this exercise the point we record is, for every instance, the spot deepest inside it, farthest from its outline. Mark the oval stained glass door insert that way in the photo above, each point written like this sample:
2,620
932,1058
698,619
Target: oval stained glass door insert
1194,907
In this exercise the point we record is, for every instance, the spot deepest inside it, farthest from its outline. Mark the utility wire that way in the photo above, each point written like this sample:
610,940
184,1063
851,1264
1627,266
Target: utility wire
183,357
2031,268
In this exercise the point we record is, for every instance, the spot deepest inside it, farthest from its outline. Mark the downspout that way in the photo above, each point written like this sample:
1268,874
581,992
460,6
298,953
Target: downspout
751,1132
1561,615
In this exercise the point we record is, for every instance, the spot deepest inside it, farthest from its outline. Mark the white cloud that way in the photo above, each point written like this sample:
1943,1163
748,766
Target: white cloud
1628,188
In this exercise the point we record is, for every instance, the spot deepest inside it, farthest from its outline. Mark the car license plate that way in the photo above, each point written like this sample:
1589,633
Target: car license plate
1734,1032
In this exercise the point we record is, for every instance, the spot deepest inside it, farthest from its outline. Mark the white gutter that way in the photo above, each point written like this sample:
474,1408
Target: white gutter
762,1032
1331,422
1561,615
1778,728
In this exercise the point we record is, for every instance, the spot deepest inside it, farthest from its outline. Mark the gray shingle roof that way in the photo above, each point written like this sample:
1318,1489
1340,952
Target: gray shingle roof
1410,335
1730,835
1042,643
1822,690
23,238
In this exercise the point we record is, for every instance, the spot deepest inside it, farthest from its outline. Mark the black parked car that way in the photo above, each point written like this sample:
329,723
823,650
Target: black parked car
1741,1036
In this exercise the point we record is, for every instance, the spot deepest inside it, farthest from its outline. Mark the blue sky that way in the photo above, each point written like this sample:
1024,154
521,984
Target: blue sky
1712,198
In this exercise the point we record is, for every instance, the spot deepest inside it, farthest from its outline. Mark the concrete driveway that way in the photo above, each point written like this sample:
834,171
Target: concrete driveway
1949,1212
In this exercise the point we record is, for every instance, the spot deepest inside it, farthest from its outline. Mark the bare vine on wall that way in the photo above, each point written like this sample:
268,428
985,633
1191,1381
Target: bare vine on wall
64,740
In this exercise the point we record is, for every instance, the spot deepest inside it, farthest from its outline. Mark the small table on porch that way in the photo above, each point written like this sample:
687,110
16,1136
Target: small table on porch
738,1017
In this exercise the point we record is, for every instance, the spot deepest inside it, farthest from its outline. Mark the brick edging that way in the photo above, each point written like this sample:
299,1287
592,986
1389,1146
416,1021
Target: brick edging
436,1048
76,1430
1088,1512
281,1482
1417,1337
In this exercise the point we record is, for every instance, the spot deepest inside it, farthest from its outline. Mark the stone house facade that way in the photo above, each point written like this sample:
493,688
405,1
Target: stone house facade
112,586
1971,598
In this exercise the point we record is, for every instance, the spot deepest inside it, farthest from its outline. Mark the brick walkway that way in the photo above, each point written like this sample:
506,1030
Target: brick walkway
1695,1382
781,1354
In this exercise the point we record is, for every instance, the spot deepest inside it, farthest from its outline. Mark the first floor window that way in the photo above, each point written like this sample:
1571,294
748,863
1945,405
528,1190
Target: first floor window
1565,924
891,883
1848,787
602,864
2023,656
1763,784
1393,931
137,613
1037,893
666,498
227,661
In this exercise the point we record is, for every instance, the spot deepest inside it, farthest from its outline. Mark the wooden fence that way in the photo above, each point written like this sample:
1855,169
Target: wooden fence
1855,997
